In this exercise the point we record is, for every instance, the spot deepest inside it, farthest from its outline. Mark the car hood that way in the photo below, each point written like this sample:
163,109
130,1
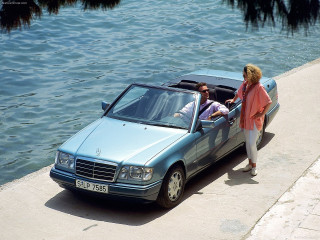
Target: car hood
120,141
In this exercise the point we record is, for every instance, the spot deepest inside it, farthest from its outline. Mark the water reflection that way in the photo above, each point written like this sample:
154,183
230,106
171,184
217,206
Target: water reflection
293,14
17,13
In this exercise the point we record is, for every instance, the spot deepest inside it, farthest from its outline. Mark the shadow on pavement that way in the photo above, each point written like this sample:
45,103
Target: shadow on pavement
104,209
266,139
136,214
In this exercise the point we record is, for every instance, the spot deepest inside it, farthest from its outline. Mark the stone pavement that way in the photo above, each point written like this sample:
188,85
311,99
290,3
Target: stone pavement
296,215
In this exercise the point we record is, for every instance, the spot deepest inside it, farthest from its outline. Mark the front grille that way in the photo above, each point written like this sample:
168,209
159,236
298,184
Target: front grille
95,170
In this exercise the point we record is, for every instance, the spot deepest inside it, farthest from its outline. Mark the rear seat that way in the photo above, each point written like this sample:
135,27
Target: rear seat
212,94
222,94
187,85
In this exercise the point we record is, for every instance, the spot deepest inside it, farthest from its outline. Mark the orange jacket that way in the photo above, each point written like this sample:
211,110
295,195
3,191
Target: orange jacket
257,99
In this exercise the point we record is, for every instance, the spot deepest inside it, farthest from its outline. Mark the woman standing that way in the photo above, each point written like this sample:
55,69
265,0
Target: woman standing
255,104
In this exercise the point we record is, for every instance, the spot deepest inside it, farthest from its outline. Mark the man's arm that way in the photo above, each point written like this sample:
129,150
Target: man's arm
218,110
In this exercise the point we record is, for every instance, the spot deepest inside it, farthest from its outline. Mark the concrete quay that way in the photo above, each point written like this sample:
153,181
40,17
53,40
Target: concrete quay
281,202
296,215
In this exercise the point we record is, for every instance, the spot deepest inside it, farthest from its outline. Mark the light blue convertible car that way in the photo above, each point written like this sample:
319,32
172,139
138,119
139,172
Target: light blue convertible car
139,150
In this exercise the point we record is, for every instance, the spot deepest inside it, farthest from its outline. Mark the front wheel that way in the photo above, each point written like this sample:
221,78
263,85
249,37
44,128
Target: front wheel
172,188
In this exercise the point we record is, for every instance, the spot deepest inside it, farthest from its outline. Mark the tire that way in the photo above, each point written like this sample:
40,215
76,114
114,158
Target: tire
172,188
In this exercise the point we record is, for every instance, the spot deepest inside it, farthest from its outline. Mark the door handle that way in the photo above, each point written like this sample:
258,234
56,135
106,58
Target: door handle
231,121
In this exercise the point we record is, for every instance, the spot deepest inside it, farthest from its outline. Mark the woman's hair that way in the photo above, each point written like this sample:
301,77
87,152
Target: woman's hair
253,73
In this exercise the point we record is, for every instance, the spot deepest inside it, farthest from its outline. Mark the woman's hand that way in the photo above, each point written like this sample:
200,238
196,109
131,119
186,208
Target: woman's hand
261,114
258,115
229,101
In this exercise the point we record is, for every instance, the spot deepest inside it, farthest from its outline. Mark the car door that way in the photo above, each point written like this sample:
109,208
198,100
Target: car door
214,143
230,133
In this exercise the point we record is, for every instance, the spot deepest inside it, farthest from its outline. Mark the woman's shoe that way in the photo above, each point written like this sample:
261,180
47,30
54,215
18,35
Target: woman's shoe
254,172
247,168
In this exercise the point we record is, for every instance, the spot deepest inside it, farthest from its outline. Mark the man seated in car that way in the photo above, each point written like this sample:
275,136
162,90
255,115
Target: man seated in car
209,109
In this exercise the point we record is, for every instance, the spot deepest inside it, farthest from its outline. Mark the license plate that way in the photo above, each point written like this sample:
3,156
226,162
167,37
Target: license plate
95,187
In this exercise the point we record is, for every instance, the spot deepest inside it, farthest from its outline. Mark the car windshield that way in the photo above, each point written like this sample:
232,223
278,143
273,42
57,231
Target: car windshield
154,106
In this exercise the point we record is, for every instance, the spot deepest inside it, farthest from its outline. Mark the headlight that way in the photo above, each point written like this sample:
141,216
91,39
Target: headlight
65,160
136,173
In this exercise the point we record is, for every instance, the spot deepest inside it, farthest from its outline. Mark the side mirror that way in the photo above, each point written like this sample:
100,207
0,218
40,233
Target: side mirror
105,105
204,124
199,125
207,124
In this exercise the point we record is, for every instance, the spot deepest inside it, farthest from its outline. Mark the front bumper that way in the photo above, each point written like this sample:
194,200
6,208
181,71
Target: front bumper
145,193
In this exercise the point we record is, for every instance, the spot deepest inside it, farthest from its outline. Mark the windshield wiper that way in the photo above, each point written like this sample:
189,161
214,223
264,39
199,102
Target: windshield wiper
167,125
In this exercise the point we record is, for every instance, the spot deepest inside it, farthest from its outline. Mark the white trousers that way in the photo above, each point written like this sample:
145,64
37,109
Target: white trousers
251,139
